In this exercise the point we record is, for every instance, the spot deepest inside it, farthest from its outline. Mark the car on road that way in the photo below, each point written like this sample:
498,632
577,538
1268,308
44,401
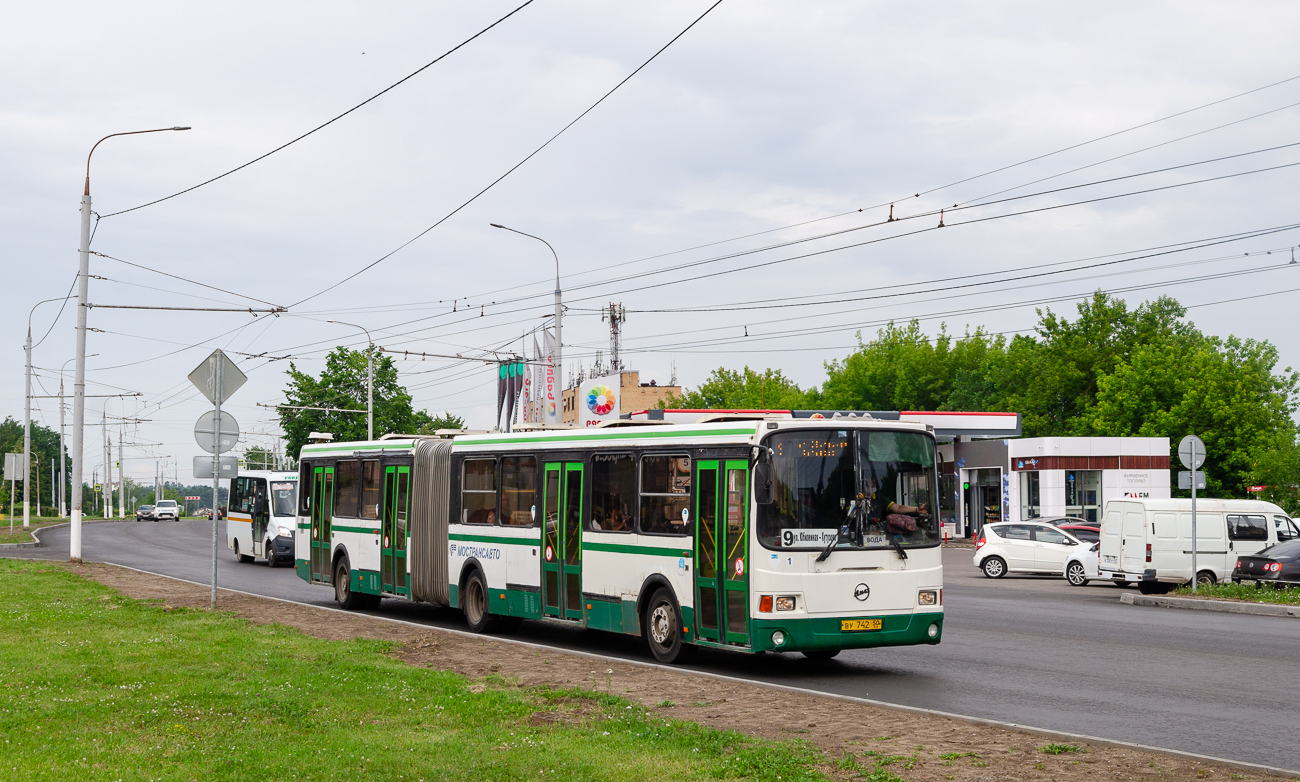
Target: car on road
144,513
1088,533
207,513
1023,547
1276,565
1081,566
166,509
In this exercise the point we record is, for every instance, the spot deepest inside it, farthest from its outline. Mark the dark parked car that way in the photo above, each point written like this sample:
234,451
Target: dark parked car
1278,565
1089,533
207,513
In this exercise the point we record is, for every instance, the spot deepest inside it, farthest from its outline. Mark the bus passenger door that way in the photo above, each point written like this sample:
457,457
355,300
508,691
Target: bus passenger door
322,506
392,567
721,552
562,540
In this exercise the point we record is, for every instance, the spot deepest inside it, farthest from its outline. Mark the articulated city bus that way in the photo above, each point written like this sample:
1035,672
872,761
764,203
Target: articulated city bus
752,534
262,516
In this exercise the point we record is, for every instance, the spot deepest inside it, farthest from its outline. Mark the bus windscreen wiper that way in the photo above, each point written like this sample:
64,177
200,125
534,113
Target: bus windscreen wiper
826,552
898,546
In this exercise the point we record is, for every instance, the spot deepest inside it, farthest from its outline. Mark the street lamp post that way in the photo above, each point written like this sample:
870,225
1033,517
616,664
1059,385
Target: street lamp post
27,417
559,342
370,379
79,384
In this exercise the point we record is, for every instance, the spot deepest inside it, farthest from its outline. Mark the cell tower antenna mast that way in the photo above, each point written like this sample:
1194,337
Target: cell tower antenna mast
614,314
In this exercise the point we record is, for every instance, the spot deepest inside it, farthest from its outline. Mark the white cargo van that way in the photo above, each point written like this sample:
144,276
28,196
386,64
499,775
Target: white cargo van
1150,541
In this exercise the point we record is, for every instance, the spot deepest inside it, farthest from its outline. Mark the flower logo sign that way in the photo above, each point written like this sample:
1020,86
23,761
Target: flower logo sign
600,400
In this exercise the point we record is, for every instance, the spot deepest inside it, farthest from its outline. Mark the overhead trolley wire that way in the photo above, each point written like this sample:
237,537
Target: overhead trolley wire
941,187
513,168
327,123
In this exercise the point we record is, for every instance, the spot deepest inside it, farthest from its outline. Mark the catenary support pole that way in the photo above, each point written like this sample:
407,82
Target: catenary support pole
1195,572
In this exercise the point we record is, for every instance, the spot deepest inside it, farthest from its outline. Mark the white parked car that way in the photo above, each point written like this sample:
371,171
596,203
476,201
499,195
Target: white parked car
1024,547
166,509
1081,566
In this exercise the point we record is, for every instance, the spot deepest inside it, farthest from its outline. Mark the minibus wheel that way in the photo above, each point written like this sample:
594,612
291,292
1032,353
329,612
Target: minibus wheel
241,557
1206,578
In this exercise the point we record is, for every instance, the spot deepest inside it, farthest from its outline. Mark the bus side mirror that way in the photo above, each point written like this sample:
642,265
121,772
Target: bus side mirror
763,483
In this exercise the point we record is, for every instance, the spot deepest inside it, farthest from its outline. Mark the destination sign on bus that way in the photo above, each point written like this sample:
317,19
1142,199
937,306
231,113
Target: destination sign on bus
822,537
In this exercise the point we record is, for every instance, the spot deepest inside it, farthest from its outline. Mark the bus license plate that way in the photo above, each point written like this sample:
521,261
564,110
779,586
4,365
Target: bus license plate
852,625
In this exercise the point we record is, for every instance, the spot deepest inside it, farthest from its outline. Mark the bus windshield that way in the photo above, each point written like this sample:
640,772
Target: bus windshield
861,488
284,498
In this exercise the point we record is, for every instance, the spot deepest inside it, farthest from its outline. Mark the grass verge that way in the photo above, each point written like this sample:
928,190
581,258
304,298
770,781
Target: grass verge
19,535
1245,592
97,686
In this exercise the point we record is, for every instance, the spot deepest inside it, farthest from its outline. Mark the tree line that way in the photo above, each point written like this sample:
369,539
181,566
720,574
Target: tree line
1111,371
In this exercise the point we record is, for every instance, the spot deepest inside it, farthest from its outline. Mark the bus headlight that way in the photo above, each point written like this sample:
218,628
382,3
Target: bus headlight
785,603
933,632
778,638
928,597
285,531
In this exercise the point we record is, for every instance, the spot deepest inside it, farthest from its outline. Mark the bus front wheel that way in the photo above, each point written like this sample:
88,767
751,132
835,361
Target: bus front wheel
662,627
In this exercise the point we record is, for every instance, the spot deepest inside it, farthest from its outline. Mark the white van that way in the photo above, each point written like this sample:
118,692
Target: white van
1150,541
262,517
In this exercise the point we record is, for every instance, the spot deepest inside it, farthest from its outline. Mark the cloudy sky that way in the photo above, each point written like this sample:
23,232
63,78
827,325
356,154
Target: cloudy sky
767,123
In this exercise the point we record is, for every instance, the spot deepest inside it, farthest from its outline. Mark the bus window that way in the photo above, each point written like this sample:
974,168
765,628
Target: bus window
241,495
613,492
305,478
370,479
478,492
283,497
347,489
665,494
518,490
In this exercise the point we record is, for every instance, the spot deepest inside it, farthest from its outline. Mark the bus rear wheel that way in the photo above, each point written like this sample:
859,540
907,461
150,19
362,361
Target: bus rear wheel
476,603
241,557
662,628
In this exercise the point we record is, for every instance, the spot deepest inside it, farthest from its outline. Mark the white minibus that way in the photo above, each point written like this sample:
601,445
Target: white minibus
262,517
1150,540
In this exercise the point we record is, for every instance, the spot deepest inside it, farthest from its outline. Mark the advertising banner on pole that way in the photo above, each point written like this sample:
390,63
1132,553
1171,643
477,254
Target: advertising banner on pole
550,384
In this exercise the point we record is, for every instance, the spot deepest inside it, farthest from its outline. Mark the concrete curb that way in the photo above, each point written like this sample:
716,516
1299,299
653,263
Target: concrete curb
36,539
1220,606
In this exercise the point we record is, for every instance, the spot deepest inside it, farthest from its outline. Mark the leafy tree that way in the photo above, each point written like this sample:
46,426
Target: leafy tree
342,385
746,389
446,420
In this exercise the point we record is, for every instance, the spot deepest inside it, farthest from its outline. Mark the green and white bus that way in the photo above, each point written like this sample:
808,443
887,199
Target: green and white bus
752,534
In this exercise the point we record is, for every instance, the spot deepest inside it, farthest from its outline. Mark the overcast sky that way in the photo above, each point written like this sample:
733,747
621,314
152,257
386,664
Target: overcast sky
763,116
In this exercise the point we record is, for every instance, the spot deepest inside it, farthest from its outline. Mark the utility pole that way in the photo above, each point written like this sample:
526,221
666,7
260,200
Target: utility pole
27,419
121,471
370,378
108,468
79,385
559,309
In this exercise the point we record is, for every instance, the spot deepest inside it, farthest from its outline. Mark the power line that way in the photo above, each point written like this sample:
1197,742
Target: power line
291,142
942,187
513,168
185,279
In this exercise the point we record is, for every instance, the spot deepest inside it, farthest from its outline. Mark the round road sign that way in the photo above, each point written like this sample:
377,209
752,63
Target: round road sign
1191,452
205,432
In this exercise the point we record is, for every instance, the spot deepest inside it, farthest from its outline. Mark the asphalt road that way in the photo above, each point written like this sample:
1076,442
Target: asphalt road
1029,650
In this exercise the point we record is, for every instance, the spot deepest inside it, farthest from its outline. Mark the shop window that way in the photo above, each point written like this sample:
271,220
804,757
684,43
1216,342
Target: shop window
665,494
1031,506
613,492
347,489
1083,494
370,490
518,490
478,492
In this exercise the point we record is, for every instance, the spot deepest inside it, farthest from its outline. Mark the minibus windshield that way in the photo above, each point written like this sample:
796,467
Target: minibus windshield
862,489
284,498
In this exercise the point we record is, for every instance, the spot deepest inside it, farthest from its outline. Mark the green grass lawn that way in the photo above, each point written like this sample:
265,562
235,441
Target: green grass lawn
97,686
19,535
1246,591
